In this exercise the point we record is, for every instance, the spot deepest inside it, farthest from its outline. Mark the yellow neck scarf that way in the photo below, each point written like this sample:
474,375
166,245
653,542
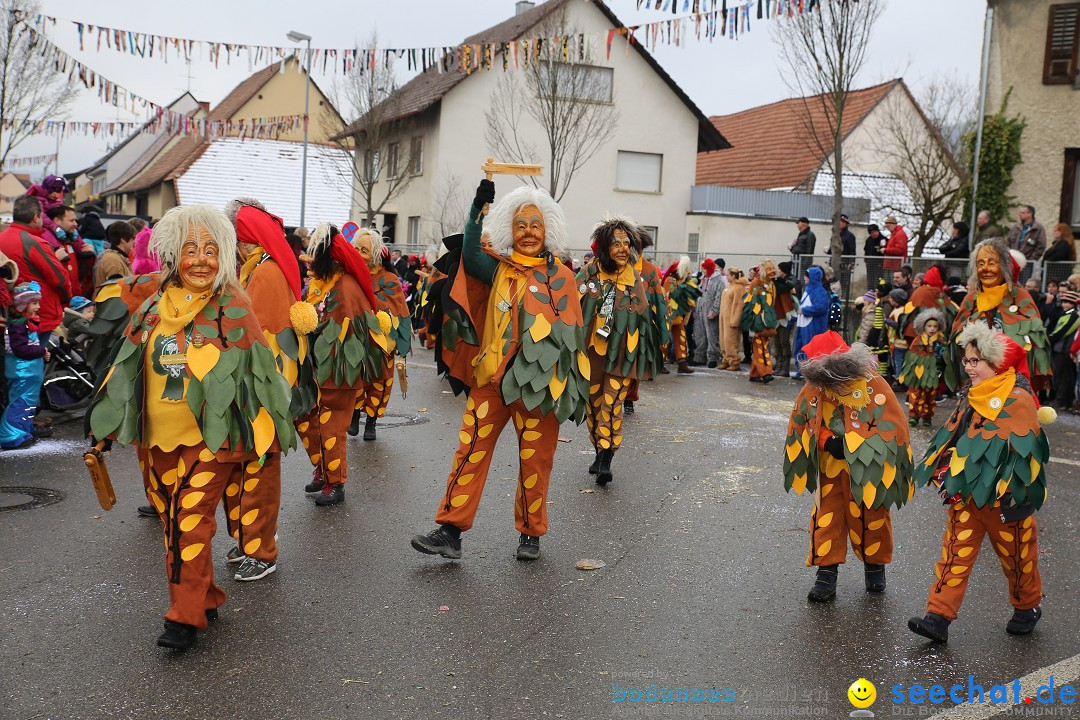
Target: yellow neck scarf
319,289
525,260
250,264
177,309
989,298
988,397
855,395
623,279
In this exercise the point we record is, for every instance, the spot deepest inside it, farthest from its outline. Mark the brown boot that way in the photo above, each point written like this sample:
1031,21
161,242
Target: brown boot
733,366
685,369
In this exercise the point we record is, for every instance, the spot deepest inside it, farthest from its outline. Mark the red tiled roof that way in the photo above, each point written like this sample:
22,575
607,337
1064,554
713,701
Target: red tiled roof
172,163
771,147
429,87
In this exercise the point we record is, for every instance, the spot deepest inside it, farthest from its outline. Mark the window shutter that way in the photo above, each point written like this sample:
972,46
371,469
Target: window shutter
1062,36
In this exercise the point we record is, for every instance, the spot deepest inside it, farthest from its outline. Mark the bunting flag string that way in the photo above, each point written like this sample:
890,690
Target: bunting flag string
35,161
708,21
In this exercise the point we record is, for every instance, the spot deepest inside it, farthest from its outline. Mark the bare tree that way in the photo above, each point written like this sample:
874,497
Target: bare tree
571,102
447,215
821,54
31,89
385,154
927,156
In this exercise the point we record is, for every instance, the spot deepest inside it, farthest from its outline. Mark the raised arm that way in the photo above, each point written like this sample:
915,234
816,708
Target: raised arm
477,262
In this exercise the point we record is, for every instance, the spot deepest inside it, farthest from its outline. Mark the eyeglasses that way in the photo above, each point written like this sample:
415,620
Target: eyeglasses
971,362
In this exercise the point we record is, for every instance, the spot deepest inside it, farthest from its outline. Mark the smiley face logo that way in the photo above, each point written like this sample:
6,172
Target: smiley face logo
862,693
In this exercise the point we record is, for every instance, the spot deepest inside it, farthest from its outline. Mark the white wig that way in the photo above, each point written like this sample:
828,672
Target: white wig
1004,257
683,268
319,238
181,222
499,224
988,341
232,208
377,245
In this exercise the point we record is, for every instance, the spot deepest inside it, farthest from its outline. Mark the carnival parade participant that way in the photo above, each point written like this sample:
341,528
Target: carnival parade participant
429,275
619,333
374,395
683,293
271,276
514,308
920,373
848,444
349,347
211,397
996,298
759,318
731,303
988,463
654,289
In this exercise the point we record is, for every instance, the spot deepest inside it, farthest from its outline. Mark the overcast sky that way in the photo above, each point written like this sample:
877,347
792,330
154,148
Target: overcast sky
914,39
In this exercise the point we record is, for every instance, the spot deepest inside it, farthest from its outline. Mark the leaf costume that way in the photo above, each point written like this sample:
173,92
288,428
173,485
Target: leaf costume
116,301
374,395
852,495
682,297
920,374
632,349
654,290
989,463
759,318
511,335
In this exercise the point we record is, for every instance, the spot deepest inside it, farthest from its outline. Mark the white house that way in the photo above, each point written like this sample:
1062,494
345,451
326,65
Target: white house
645,170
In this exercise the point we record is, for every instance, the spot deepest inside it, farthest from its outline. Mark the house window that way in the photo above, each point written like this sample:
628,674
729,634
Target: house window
414,230
371,165
416,155
1070,190
1062,38
638,172
574,81
692,243
392,152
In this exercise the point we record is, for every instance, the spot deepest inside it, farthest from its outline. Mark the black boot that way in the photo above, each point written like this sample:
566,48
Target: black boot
147,511
874,576
931,626
824,589
316,484
595,464
628,407
369,429
1023,621
332,494
528,547
603,467
177,636
354,425
444,540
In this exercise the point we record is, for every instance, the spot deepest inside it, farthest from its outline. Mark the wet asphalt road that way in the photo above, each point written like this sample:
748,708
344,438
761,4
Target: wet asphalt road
704,584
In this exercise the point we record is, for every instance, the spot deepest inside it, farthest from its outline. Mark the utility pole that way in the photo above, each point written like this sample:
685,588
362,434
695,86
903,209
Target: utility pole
301,37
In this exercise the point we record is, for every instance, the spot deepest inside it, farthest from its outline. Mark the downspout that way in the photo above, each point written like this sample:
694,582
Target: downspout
983,81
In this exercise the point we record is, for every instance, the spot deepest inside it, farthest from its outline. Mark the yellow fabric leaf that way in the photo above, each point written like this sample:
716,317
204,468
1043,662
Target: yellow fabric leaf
540,329
530,436
189,523
889,476
108,292
1006,536
252,545
963,535
530,423
200,479
466,478
530,481
192,551
956,464
869,492
1035,466
876,525
799,484
919,371
964,551
854,440
824,520
459,500
192,499
202,360
793,451
583,363
871,549
344,329
556,386
632,341
535,504
263,428
482,411
249,516
824,548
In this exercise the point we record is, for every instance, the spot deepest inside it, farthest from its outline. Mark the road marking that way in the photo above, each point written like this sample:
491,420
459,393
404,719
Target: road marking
1065,672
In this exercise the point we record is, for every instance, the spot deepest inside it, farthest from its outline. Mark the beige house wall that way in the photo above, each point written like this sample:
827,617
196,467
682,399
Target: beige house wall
283,94
10,187
1017,53
456,147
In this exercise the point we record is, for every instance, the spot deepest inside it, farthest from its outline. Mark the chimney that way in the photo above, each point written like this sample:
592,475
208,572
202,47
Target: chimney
523,6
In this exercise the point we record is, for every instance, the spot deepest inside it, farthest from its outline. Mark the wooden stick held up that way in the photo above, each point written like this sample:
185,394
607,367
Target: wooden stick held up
492,168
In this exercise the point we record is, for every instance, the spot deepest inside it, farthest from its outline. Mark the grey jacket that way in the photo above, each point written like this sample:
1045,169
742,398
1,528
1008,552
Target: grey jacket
1034,243
710,299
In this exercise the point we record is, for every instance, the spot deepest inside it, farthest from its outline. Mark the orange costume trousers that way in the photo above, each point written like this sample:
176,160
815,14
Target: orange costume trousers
1017,548
322,432
604,415
185,486
538,436
837,518
374,396
922,402
678,340
761,358
252,502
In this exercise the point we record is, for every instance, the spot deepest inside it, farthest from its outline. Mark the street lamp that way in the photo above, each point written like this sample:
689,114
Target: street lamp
301,37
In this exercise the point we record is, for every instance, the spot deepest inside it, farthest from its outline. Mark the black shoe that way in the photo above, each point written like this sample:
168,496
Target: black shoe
177,636
211,615
147,511
712,364
756,380
369,429
1023,621
354,424
696,363
628,407
332,494
316,484
444,540
528,547
603,467
44,431
912,422
253,569
927,422
824,589
931,626
595,464
874,577
767,379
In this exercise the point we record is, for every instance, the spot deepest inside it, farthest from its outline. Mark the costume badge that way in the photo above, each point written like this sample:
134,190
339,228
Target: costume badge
582,288
533,288
503,306
1013,308
197,340
995,403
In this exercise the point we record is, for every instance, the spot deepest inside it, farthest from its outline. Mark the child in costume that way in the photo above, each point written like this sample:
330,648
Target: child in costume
374,395
988,463
512,337
271,276
349,346
24,367
620,334
759,318
194,385
848,444
683,293
921,364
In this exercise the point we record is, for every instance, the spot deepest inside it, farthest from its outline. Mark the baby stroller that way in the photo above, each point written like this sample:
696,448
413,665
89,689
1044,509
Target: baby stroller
69,382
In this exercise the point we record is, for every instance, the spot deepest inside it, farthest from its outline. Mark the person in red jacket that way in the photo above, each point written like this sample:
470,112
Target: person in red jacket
22,242
897,247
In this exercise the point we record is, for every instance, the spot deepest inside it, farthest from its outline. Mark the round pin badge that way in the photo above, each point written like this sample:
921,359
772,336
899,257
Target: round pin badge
857,394
995,403
1013,308
582,288
879,399
854,424
533,288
